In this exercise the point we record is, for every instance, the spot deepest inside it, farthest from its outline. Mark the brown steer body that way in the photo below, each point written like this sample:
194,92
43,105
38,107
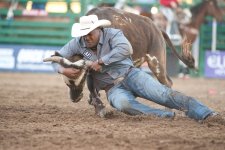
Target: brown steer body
145,38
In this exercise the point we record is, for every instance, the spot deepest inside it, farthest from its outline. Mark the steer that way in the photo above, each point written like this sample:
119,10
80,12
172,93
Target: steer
145,38
77,84
148,42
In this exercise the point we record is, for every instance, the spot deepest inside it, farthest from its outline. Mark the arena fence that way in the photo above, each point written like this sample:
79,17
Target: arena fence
36,26
212,62
39,28
37,33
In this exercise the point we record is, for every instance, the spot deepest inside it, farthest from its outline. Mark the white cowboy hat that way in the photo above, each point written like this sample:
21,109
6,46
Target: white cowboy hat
87,24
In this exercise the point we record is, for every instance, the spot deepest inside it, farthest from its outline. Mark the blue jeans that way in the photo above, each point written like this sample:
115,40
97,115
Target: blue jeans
140,84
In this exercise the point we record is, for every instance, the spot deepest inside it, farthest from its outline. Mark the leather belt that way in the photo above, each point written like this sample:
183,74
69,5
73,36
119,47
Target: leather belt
118,80
115,82
108,87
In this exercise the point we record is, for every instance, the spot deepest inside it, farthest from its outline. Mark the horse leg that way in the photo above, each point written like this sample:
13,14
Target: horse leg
158,70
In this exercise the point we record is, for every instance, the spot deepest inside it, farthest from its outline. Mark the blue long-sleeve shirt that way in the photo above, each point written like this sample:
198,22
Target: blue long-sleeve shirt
113,49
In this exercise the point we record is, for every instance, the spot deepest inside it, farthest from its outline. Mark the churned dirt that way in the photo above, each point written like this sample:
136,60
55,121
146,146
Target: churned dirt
35,113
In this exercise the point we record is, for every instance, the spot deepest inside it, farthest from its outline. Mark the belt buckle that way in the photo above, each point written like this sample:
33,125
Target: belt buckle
118,80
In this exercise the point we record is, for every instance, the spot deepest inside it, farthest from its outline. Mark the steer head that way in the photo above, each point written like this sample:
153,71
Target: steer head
76,85
75,61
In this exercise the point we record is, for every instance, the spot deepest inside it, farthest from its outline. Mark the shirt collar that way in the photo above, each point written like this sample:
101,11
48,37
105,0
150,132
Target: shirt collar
82,43
101,37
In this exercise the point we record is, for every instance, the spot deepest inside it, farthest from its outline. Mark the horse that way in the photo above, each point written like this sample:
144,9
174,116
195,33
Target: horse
190,30
199,12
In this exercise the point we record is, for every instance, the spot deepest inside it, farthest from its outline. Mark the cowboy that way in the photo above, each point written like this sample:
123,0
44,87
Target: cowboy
112,70
168,9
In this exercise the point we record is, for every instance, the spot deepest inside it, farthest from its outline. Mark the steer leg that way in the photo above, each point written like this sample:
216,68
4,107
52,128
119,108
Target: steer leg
139,62
158,70
94,99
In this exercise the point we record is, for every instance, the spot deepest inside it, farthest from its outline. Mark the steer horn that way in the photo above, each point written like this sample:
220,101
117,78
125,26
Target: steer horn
55,59
80,64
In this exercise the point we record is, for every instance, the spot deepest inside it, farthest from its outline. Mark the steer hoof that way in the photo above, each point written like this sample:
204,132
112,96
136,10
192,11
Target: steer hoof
103,113
100,109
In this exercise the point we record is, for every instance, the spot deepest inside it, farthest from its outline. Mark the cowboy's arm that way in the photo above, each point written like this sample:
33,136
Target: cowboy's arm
67,51
121,49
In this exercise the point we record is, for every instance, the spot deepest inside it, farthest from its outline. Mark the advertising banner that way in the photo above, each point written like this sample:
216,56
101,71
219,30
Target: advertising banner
215,64
24,58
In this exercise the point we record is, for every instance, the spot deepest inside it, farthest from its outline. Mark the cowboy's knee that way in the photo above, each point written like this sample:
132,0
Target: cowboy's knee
126,107
122,104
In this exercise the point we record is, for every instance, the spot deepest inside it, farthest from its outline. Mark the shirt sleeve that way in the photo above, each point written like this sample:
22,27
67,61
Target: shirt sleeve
120,49
68,50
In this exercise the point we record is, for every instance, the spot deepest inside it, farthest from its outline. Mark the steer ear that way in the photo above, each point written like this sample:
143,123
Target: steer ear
57,54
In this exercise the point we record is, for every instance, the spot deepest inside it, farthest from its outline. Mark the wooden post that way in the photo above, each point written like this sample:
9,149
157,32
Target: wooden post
214,34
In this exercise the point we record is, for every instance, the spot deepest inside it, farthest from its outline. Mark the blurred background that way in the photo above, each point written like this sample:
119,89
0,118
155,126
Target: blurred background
31,30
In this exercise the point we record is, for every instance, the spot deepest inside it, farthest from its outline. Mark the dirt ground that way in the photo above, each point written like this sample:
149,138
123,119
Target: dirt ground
35,113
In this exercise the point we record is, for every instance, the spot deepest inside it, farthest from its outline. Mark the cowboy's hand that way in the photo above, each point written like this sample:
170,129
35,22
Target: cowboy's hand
70,72
96,66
